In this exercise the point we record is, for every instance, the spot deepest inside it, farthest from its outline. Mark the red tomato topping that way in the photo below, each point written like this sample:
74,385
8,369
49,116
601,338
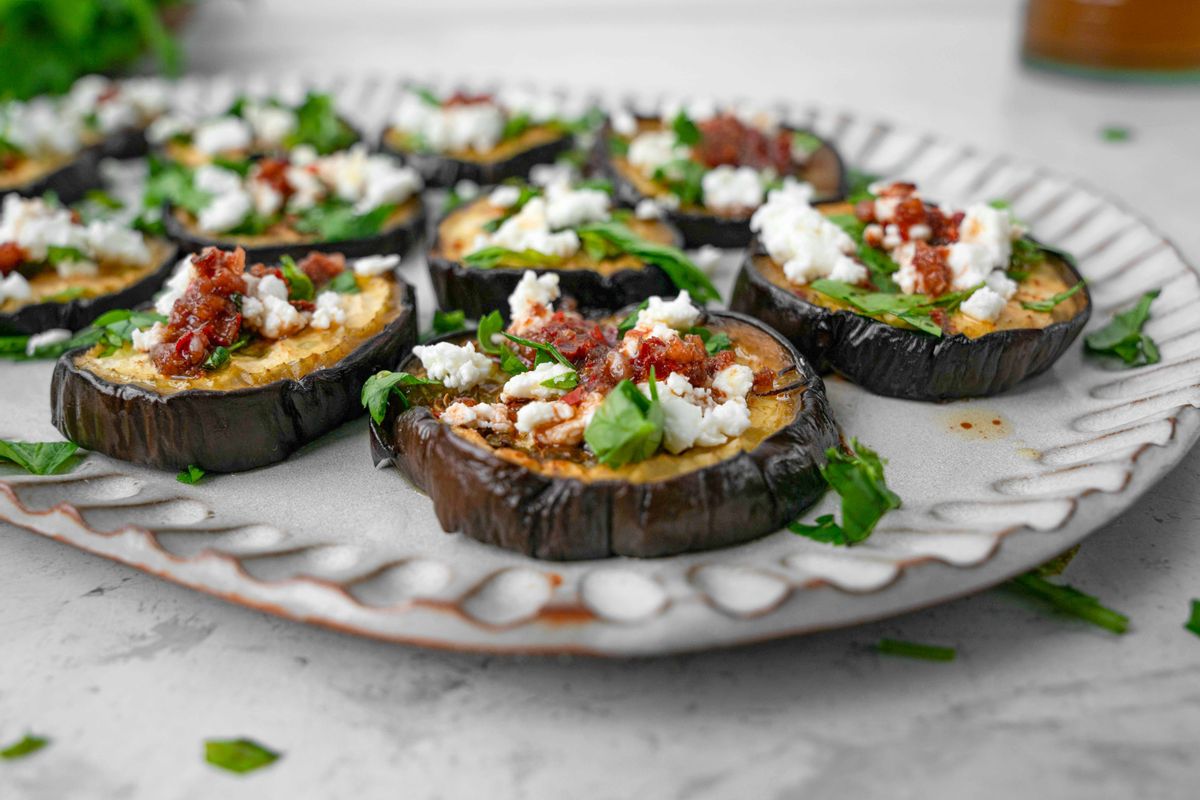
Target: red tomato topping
206,316
725,139
321,268
12,255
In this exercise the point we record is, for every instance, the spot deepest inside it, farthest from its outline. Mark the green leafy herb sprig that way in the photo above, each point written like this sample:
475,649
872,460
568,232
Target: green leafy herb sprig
925,652
543,354
113,329
1048,305
238,755
384,385
858,479
319,126
877,261
40,458
445,322
627,427
26,745
1070,600
489,257
914,309
1123,337
606,238
192,475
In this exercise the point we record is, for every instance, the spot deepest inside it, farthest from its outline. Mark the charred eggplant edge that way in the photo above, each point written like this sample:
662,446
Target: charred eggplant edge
744,497
222,431
897,362
442,171
70,182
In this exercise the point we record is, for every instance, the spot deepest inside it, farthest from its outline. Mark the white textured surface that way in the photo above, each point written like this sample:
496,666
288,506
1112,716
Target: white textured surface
129,674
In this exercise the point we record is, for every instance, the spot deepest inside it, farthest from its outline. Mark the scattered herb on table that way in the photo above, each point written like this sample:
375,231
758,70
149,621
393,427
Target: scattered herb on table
858,479
1123,337
382,386
191,475
1055,566
1116,133
27,745
926,652
238,755
1193,623
40,458
1070,600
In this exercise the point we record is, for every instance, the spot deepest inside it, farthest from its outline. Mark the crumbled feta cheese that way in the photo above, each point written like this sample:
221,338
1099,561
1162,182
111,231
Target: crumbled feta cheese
473,126
309,190
76,268
271,124
528,385
678,313
280,318
387,182
529,229
970,263
110,241
729,188
222,134
35,227
1001,284
723,422
538,414
624,123
370,266
175,286
144,340
567,207
631,344
38,127
15,287
456,366
991,229
804,241
692,418
216,180
735,381
481,415
165,128
225,211
707,258
681,421
650,150
46,338
271,285
984,304
648,209
505,196
466,189
547,175
266,198
329,311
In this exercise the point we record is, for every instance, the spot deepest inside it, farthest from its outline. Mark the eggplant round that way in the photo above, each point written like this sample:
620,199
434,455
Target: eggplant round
397,237
125,144
222,431
75,314
440,170
827,174
551,516
900,362
70,182
478,291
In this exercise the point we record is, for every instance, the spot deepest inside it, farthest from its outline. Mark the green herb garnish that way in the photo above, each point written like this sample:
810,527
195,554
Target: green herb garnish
510,362
878,262
679,268
514,126
238,755
914,309
858,479
1046,306
490,257
318,125
713,342
1116,133
336,221
40,458
300,286
449,321
544,353
60,255
489,326
170,182
525,194
27,745
859,183
1123,336
806,142
630,322
1193,623
628,426
684,178
686,132
382,386
344,283
67,295
427,95
927,652
618,146
218,358
1071,601
191,475
103,199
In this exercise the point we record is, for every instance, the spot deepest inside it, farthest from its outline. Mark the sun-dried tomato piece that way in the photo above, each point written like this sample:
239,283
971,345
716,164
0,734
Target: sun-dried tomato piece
12,255
574,336
933,274
273,172
321,268
206,316
466,99
764,380
727,140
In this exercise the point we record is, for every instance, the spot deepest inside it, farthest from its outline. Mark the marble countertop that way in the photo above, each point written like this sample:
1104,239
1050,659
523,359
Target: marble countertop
128,674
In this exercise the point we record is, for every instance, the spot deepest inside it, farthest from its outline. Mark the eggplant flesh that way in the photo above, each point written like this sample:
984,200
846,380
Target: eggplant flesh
223,431
75,314
697,501
398,236
900,362
70,181
699,226
477,291
444,170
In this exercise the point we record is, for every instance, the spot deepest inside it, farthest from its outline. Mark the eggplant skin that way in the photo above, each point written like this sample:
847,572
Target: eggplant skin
397,239
444,171
70,182
497,502
125,144
78,313
896,362
221,431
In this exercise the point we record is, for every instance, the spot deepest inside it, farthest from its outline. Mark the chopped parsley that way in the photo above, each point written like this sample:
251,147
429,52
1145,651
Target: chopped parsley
27,745
40,458
426,94
926,652
630,322
1193,623
878,262
684,178
318,125
344,283
858,479
914,309
686,132
447,322
1046,306
806,142
1123,337
191,475
170,182
489,326
336,221
858,184
238,755
489,257
300,286
514,126
713,342
113,329
1116,133
543,353
615,237
382,386
627,427
1071,601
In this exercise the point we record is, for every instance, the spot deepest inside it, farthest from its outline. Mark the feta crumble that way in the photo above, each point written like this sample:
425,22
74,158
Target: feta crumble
678,313
728,188
456,366
528,385
370,266
807,244
984,305
329,311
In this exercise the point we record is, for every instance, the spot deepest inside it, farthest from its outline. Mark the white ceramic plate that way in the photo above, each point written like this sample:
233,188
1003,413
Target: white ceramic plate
328,539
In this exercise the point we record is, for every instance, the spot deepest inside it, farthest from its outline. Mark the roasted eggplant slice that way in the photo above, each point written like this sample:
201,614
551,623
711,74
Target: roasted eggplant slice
350,201
708,442
909,300
114,115
479,137
43,149
604,259
237,377
56,272
710,171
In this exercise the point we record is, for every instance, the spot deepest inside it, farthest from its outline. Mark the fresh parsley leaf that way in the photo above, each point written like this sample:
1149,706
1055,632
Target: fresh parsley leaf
686,131
627,427
713,342
28,745
318,125
858,479
630,322
806,143
1116,133
191,475
859,183
103,199
565,382
300,286
218,358
489,326
344,283
426,94
597,184
449,321
684,178
238,755
878,262
913,309
679,268
514,126
67,295
337,221
1000,204
40,458
381,386
169,182
510,362
1026,254
618,146
927,652
1193,623
544,352
1071,601
1123,336
490,257
59,255
1046,306
239,165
